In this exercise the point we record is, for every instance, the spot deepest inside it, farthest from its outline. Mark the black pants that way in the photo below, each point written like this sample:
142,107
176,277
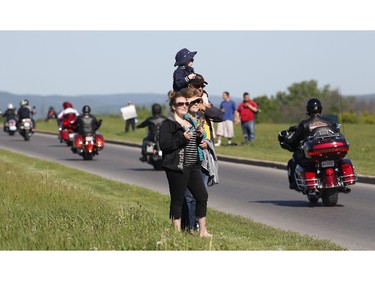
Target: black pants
129,123
178,181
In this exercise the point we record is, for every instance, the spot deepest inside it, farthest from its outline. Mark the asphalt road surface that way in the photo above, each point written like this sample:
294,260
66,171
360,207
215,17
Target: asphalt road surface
258,193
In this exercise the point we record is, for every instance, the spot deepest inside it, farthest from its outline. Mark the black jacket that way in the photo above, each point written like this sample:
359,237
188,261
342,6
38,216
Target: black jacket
9,114
153,123
23,113
87,124
307,128
180,77
172,144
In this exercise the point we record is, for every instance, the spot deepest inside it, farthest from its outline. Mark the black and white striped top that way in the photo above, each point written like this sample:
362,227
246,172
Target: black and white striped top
191,150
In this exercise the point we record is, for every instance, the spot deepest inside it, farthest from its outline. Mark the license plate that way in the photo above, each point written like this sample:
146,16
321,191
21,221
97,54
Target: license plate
329,163
89,138
150,149
71,136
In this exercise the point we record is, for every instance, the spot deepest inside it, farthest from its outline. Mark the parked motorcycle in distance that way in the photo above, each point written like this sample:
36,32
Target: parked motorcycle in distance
154,155
10,126
66,131
88,146
25,128
326,171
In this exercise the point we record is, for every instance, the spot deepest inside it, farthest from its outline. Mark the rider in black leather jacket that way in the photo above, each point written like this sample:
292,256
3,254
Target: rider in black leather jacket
153,123
86,123
301,132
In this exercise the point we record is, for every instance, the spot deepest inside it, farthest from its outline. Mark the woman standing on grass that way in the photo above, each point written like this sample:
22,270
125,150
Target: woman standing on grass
179,142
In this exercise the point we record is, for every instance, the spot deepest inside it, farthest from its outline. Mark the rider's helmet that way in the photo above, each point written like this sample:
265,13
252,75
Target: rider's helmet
313,106
67,105
86,109
10,106
156,109
24,102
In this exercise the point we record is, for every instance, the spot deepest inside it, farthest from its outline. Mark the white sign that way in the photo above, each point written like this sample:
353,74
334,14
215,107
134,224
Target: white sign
129,112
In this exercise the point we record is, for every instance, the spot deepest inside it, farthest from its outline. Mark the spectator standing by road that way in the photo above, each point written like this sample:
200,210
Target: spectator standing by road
130,122
225,129
207,156
179,143
211,113
247,111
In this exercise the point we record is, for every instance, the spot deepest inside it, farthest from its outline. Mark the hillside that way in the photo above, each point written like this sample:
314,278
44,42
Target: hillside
100,104
111,103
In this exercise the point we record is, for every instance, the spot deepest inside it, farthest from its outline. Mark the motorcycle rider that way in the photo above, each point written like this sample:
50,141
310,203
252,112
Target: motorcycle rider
68,109
10,113
87,124
153,123
307,127
25,112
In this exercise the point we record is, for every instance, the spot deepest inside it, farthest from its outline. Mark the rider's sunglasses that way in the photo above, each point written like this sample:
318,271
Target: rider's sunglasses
180,104
194,102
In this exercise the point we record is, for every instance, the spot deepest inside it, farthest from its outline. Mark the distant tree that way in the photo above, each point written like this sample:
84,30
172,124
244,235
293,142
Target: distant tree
367,118
292,105
289,107
348,118
268,110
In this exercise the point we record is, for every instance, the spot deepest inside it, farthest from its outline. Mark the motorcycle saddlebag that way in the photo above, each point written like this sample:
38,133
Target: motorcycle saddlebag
99,141
78,141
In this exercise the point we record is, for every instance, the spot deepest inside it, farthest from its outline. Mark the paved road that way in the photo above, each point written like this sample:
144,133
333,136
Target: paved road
259,193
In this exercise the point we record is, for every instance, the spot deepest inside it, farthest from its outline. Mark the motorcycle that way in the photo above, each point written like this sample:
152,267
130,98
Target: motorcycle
10,126
25,128
88,146
66,131
325,171
154,155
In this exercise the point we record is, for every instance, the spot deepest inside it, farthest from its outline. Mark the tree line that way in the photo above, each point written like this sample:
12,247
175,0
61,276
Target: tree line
290,106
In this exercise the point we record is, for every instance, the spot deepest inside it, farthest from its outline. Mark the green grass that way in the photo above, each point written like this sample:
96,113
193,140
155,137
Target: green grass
48,206
265,147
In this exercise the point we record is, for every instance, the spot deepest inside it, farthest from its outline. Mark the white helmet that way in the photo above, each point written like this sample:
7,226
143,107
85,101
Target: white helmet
10,106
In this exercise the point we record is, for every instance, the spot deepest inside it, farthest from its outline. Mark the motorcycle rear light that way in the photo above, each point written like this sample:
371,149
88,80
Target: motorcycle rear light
90,146
348,175
64,135
336,150
78,141
311,180
330,177
99,141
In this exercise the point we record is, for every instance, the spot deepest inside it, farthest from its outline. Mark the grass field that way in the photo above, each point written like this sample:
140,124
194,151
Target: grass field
265,147
48,206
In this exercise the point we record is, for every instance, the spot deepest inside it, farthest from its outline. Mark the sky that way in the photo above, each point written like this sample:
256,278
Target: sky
59,57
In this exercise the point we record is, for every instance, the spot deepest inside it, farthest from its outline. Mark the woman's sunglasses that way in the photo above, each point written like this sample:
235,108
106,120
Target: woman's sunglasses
199,86
194,102
179,104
